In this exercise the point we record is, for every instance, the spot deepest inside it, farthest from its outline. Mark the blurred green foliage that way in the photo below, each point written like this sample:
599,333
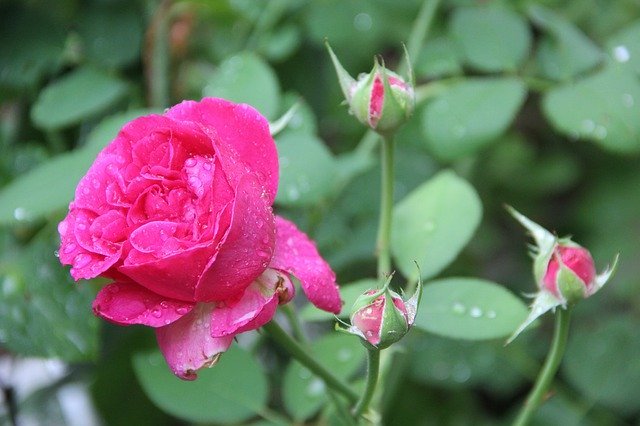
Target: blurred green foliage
531,103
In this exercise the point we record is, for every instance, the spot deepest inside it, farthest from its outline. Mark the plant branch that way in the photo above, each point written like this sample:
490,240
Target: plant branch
551,364
302,356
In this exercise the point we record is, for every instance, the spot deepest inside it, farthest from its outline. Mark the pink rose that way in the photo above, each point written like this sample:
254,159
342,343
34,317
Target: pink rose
176,210
576,259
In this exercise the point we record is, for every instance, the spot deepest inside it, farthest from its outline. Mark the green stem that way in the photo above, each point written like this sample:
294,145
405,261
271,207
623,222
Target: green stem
419,31
294,322
302,356
551,364
386,209
373,367
159,60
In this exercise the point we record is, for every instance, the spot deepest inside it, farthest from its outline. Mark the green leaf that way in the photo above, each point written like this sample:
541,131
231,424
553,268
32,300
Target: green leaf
235,389
111,36
80,94
603,108
439,57
247,78
304,394
469,308
565,51
624,47
307,169
26,198
47,188
43,313
483,32
433,224
471,114
348,292
32,44
602,362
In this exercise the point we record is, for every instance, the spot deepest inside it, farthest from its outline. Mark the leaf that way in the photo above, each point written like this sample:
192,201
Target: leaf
232,391
111,36
471,114
78,95
439,57
27,198
624,47
482,32
348,292
304,394
246,78
43,313
602,362
32,195
469,308
433,224
307,169
32,43
603,108
566,51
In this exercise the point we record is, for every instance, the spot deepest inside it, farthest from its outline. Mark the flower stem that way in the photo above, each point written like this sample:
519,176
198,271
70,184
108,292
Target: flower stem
373,367
419,31
551,364
158,60
386,209
302,356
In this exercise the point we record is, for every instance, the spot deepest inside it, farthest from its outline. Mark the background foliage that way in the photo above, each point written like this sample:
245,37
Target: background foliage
531,103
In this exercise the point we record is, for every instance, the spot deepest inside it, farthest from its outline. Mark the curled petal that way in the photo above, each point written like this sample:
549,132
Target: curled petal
245,250
242,134
255,308
296,254
187,344
127,303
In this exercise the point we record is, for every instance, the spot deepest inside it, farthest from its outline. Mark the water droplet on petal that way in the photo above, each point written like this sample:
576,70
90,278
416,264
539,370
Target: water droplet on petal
182,310
81,260
69,248
156,312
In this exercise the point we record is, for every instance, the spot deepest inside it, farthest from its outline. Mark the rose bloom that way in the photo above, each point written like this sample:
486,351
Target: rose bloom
176,210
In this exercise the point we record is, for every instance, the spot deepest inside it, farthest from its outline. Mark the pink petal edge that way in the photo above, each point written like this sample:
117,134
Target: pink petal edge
187,345
255,308
296,254
127,303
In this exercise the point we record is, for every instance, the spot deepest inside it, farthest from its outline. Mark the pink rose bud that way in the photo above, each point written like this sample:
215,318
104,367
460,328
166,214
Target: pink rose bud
570,273
381,317
381,99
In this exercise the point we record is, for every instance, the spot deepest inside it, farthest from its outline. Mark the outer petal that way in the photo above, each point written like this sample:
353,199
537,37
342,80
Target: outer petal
127,303
243,134
255,308
295,253
187,345
246,248
84,263
174,276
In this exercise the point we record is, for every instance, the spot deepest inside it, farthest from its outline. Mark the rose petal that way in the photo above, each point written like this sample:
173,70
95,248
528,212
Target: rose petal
187,345
126,303
245,250
84,263
174,276
296,254
243,135
255,308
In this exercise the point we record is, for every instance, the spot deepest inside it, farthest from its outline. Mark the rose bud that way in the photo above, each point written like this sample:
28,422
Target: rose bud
381,317
177,211
570,273
563,270
380,99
